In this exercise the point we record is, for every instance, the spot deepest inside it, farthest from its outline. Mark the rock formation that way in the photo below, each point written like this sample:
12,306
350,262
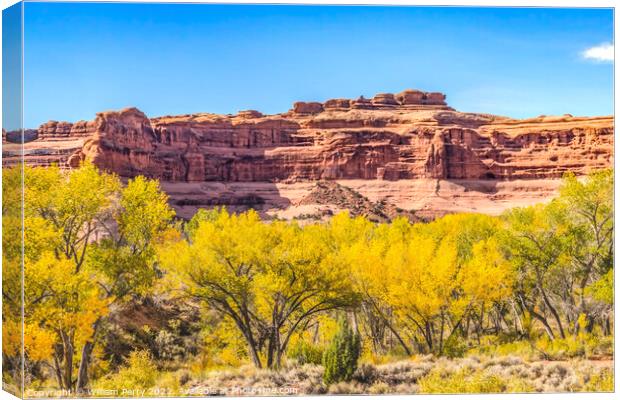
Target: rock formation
412,136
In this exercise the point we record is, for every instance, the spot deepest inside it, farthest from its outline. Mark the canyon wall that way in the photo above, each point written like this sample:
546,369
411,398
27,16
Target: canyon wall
409,136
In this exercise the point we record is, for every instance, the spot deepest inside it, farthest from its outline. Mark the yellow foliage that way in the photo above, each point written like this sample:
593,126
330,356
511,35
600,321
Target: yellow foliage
11,336
424,287
601,382
139,373
74,265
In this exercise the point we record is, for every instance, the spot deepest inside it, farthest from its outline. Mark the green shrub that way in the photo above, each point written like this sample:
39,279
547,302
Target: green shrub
340,358
454,347
306,353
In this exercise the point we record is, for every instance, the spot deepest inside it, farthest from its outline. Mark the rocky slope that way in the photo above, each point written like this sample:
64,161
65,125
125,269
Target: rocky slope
335,197
410,150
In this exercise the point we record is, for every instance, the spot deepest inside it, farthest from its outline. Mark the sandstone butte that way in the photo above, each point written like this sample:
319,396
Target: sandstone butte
410,151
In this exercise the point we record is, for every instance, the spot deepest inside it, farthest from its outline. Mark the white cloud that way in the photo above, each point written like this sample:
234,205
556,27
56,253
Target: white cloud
603,52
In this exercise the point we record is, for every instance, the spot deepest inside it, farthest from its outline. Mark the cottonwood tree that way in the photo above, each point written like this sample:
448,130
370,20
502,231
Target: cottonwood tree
536,243
59,227
12,344
270,279
87,242
366,255
590,204
444,273
560,250
125,255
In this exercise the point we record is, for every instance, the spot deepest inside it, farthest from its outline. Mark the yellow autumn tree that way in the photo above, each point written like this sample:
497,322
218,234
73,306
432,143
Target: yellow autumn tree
87,244
435,277
372,257
61,302
269,279
12,344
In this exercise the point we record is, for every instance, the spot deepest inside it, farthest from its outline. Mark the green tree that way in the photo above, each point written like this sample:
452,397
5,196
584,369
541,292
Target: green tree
561,249
340,358
589,202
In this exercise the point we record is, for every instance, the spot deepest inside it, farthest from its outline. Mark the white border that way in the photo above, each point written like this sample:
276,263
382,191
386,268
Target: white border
482,3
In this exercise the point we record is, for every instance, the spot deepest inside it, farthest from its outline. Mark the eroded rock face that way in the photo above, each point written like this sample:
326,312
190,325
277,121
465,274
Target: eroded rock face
302,107
18,136
412,135
387,99
55,129
342,104
250,114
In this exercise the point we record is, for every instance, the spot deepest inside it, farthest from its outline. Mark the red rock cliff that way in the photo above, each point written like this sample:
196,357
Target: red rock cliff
388,139
405,136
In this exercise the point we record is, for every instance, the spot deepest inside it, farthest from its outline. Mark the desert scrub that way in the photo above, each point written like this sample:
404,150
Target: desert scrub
379,388
583,345
172,383
295,379
366,373
370,357
421,375
454,347
476,375
346,388
403,372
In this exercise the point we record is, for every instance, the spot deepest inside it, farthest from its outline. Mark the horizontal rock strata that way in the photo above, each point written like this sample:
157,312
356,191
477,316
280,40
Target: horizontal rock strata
408,136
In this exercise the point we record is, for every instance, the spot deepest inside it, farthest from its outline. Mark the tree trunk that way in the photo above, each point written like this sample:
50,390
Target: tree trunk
441,329
546,325
388,324
82,379
67,350
279,349
279,355
254,354
518,324
58,372
68,373
429,336
87,351
399,338
607,326
539,317
270,347
555,314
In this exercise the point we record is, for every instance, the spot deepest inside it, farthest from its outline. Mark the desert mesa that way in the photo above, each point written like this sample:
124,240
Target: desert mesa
393,154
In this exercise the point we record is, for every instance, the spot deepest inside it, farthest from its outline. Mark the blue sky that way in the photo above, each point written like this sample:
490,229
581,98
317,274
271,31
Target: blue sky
11,67
185,58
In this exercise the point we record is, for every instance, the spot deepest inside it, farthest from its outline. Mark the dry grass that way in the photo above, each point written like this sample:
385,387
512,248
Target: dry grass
475,374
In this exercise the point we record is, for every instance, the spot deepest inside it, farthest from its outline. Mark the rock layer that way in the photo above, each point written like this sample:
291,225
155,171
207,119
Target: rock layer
411,135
